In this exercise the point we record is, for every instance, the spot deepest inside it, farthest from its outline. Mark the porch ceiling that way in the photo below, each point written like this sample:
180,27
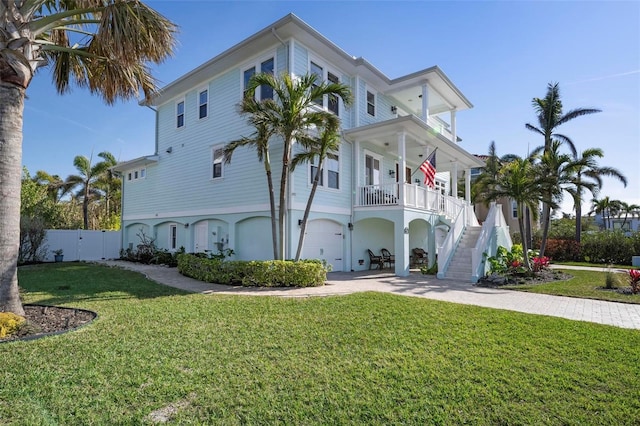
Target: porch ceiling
418,137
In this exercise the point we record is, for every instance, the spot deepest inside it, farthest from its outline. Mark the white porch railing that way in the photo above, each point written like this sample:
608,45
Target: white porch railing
414,196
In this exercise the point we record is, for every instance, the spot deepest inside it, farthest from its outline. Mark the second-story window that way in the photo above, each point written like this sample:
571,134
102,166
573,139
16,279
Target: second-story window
218,157
333,171
330,173
203,103
180,114
371,103
514,209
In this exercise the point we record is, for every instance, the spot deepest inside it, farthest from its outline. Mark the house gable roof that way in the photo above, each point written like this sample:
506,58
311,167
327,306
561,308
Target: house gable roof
290,26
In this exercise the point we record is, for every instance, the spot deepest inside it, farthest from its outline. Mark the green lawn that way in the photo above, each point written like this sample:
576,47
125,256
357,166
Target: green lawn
585,284
361,359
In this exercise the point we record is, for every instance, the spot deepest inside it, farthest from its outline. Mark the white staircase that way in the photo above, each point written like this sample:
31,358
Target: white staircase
460,265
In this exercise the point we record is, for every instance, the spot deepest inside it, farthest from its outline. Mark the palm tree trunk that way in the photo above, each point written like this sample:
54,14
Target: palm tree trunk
546,219
307,209
578,203
85,207
286,155
11,115
525,245
272,204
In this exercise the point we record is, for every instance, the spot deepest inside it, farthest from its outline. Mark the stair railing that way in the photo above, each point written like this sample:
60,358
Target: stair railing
494,232
448,247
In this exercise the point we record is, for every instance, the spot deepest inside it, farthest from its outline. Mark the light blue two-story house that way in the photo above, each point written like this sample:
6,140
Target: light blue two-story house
372,194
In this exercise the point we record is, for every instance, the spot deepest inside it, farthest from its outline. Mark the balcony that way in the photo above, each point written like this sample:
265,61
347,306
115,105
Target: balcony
414,196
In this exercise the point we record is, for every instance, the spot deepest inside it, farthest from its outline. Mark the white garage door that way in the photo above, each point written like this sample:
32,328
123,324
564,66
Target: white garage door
323,240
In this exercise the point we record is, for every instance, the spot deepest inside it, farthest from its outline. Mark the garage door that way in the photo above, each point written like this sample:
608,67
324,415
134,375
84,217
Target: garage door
323,240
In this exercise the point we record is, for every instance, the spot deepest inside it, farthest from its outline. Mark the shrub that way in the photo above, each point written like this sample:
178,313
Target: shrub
267,273
563,250
32,237
608,247
10,323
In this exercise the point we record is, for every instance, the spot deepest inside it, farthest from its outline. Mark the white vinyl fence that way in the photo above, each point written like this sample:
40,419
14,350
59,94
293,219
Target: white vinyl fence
83,245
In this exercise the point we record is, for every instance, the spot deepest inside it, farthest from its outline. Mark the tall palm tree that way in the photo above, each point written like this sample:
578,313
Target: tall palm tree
260,142
320,148
607,208
108,183
103,45
551,116
87,180
56,188
629,210
291,115
588,175
520,181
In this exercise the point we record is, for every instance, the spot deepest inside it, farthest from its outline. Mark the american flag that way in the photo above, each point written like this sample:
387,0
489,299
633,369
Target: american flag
429,170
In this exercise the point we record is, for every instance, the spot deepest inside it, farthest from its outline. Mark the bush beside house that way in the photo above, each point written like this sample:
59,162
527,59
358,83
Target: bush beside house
267,273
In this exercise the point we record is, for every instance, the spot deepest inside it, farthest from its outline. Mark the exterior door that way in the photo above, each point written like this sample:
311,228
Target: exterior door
324,241
201,240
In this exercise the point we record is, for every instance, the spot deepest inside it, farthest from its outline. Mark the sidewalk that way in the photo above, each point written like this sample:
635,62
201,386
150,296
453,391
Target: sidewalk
622,315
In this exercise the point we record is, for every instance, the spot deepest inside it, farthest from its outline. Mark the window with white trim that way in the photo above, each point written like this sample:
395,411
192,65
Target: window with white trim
514,209
372,169
330,102
203,103
173,237
371,103
136,174
217,155
330,173
266,66
180,114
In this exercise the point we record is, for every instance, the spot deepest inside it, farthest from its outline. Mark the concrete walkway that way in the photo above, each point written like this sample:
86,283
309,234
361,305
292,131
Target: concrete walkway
416,285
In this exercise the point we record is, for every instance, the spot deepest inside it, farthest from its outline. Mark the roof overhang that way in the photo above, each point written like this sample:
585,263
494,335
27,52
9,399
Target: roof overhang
418,137
135,163
292,27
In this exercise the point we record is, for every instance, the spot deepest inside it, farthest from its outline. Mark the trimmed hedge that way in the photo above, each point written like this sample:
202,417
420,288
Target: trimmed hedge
254,273
610,247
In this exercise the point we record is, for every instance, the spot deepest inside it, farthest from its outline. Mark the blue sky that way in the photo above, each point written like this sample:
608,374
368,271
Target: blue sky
499,54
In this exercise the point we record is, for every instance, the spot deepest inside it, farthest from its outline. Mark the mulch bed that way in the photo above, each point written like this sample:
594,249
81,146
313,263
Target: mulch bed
49,320
544,276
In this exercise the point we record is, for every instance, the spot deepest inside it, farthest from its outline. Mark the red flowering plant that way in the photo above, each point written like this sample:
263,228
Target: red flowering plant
540,263
634,280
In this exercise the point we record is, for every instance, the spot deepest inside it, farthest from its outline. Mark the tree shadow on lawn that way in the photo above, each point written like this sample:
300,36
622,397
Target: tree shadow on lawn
65,283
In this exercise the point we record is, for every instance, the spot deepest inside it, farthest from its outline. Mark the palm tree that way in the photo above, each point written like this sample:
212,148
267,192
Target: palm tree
607,208
322,147
588,175
108,183
56,188
104,45
260,142
88,179
291,114
519,181
551,116
629,210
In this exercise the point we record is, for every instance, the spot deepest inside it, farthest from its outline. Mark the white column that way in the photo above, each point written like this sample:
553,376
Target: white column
425,101
454,180
402,164
454,132
467,185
